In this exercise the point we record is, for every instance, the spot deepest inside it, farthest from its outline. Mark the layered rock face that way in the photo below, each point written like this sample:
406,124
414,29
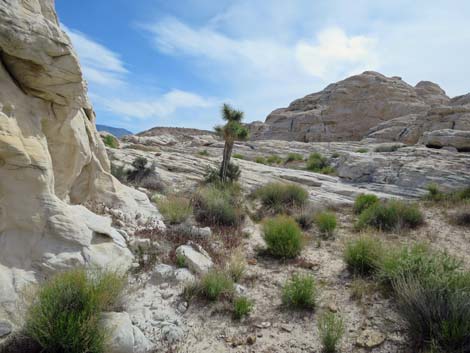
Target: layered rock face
368,105
52,161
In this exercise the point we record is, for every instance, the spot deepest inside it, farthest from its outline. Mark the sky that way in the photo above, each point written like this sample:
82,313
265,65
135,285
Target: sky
174,63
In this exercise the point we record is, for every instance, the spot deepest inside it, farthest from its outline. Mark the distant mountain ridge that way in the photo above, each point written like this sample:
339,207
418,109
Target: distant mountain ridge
116,131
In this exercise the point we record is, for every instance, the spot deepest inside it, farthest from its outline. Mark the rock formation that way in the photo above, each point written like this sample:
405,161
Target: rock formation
52,160
367,105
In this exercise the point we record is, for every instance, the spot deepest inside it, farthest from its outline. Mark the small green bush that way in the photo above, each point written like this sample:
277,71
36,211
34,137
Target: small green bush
280,197
391,215
362,150
300,292
119,172
387,148
335,155
110,141
463,194
319,164
236,267
364,201
180,261
294,157
261,160
65,313
242,306
203,153
212,175
305,219
216,284
238,156
283,237
326,223
331,330
175,209
363,255
216,205
434,193
274,159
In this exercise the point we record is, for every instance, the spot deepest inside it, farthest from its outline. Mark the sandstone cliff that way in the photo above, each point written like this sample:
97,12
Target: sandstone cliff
52,161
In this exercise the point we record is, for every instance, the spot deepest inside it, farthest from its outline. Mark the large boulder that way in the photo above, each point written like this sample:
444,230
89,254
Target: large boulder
458,139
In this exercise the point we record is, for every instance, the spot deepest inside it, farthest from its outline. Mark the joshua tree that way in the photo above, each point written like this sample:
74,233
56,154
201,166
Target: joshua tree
232,131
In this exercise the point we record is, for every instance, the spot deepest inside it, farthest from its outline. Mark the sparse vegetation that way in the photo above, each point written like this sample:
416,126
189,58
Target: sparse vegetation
274,159
144,175
387,148
462,217
300,292
119,172
180,261
294,157
331,330
363,255
203,153
283,237
65,313
236,267
364,201
359,288
110,141
305,219
393,215
261,160
326,223
280,197
318,163
216,284
238,156
212,175
362,150
175,209
217,205
242,306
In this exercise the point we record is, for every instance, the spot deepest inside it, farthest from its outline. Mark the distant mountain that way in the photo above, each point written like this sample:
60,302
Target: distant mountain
116,131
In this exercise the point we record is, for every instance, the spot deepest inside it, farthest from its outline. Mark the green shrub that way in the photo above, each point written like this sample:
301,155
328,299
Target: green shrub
65,313
335,155
261,160
236,267
362,150
391,215
283,237
203,153
216,284
363,255
238,156
111,141
387,148
180,261
242,306
364,201
175,209
319,164
119,172
305,219
218,206
279,196
434,193
300,292
294,157
331,330
274,159
464,194
144,174
212,175
326,223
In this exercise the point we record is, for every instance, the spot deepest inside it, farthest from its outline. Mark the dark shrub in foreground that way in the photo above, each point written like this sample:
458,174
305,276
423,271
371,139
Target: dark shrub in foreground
363,255
280,196
65,314
283,237
391,215
300,292
364,201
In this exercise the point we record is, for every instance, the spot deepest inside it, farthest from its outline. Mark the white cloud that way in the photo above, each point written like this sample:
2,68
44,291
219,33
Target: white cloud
100,65
162,107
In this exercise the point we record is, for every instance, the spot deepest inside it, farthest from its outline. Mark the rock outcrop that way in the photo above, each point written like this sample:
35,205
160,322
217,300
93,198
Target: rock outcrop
52,160
370,106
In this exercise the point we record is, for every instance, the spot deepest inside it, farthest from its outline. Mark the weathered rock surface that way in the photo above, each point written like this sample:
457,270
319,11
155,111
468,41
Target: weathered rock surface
52,159
458,139
196,258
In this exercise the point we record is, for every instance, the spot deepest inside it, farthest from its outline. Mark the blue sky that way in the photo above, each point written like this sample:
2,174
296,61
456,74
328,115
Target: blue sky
172,63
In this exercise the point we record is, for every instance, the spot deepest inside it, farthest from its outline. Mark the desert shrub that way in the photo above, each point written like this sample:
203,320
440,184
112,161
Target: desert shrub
331,330
362,255
305,219
65,314
180,261
261,160
359,288
175,209
242,306
326,223
391,215
364,201
212,175
319,164
362,150
335,155
387,148
236,267
274,159
434,193
218,205
238,156
203,153
294,157
216,284
300,292
111,141
279,196
462,217
145,175
463,194
283,237
119,172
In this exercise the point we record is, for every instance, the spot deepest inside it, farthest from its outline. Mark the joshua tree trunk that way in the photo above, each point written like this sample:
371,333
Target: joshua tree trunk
226,160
